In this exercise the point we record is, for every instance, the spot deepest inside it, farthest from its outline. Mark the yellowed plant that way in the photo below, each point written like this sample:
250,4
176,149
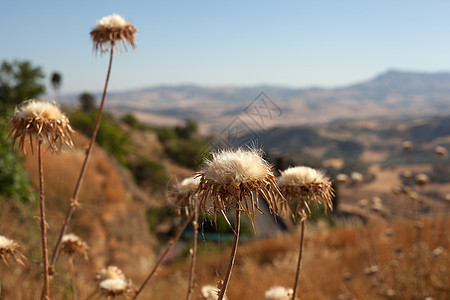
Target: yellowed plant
234,179
300,186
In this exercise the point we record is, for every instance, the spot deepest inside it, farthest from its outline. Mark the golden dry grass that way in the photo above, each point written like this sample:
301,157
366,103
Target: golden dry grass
330,257
112,221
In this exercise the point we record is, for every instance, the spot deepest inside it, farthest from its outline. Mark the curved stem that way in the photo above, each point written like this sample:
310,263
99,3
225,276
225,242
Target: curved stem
299,263
237,228
74,199
194,254
166,251
46,288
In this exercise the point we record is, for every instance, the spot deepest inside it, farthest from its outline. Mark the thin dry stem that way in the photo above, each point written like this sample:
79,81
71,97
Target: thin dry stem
46,287
161,259
74,199
299,262
73,279
223,289
193,254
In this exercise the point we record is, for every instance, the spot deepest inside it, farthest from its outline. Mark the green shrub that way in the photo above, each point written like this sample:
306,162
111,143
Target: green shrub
110,135
149,173
14,181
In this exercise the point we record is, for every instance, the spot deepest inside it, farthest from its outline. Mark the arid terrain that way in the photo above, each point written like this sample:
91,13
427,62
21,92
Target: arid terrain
383,241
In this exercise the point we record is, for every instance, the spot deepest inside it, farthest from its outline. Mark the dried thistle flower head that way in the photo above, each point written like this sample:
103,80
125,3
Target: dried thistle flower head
210,292
306,184
407,174
41,121
356,177
110,272
113,31
183,192
279,293
370,270
363,203
72,244
9,248
342,178
407,145
113,287
440,151
377,204
422,179
233,176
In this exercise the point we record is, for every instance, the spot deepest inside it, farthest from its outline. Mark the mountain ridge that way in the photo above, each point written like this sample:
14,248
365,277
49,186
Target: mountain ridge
393,93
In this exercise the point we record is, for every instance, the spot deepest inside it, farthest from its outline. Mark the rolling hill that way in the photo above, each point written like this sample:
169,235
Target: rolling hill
393,94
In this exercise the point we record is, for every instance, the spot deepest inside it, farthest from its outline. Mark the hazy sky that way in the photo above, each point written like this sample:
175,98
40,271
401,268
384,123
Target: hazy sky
215,43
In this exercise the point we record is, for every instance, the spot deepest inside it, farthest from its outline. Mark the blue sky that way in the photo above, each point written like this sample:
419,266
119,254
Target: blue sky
221,43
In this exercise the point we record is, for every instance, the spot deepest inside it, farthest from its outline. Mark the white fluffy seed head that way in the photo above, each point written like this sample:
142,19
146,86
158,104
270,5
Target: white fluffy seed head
110,272
5,242
210,292
357,177
229,167
115,285
440,151
189,184
70,237
279,293
342,178
112,21
407,145
422,179
38,109
298,176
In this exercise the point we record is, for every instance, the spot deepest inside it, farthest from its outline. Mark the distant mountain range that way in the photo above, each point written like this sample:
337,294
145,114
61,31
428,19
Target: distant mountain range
392,94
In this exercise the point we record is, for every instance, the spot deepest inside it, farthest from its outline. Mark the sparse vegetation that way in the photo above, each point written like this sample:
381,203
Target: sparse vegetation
389,239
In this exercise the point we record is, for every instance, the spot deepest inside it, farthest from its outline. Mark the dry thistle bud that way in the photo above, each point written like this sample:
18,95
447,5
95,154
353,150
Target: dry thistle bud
231,177
72,244
413,195
407,174
110,272
422,179
407,145
390,293
210,292
377,204
113,31
370,270
440,151
183,193
279,293
363,203
113,287
342,178
438,251
41,121
9,248
356,177
306,184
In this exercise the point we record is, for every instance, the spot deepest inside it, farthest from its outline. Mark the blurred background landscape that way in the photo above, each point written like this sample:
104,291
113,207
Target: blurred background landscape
338,87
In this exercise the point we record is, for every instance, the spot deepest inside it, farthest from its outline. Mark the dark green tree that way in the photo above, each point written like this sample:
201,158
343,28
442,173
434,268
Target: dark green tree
19,81
87,102
187,131
56,81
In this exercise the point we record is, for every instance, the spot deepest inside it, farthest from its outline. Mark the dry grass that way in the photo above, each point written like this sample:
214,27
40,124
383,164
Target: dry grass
331,256
413,262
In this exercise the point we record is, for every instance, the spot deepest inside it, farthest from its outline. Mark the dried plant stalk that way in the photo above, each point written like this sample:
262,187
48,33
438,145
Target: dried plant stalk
164,254
234,179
